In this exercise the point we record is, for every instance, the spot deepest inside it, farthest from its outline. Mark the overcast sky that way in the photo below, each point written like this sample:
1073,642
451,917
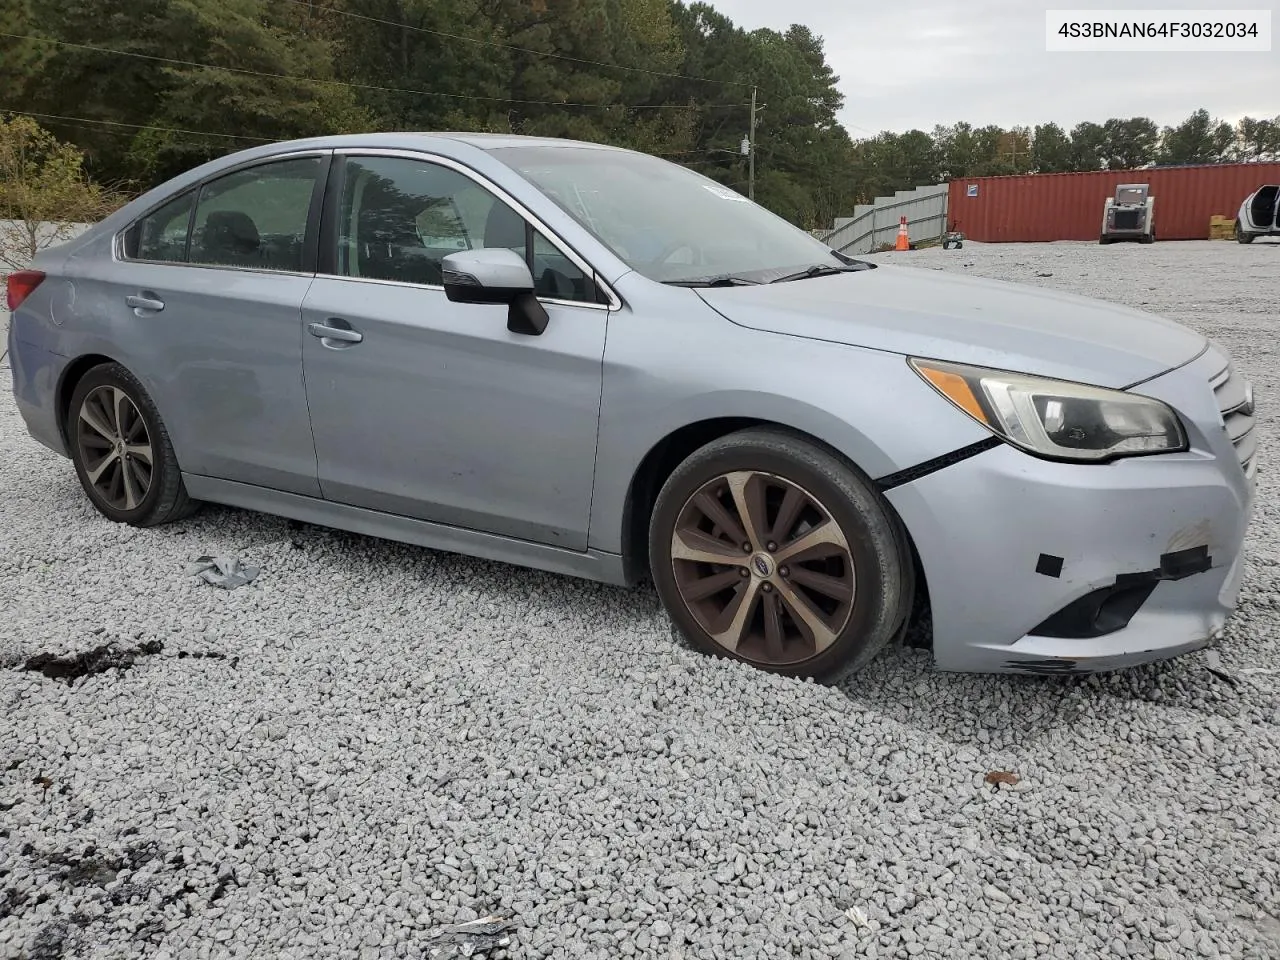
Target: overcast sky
917,63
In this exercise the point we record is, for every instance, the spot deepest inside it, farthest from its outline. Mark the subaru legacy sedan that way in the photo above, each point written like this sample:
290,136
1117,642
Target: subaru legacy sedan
595,362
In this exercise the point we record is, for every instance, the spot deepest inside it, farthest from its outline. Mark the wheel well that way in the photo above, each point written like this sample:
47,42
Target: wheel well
658,464
72,375
661,461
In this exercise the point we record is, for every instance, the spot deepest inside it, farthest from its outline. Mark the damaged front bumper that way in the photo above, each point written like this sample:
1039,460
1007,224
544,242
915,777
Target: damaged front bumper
1044,567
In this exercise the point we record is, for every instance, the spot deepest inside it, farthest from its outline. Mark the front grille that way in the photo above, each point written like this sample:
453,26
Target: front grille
1126,219
1235,400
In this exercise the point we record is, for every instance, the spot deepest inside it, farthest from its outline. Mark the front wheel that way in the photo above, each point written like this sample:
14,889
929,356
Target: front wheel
1242,236
122,452
768,549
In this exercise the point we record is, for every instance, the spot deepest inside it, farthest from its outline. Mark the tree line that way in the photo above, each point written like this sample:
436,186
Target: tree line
899,161
148,88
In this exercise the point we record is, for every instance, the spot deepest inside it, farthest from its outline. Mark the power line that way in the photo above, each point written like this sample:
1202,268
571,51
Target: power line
80,123
343,83
137,126
510,46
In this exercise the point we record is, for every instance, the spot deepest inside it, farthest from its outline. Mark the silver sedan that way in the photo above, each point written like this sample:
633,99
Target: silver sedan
592,361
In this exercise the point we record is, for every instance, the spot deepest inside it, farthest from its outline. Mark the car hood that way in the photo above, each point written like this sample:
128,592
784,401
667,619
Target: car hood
945,316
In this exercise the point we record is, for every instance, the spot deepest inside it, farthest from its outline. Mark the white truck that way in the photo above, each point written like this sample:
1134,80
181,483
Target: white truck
1259,215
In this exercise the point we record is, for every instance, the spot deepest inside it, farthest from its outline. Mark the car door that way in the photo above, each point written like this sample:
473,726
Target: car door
211,286
1262,209
431,409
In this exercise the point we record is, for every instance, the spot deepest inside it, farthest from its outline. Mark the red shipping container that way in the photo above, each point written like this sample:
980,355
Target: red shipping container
1068,206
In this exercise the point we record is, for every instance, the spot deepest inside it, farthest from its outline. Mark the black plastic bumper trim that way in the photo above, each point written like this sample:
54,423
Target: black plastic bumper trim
1109,609
937,463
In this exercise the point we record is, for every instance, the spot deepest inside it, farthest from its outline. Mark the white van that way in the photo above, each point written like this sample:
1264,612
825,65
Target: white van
1259,215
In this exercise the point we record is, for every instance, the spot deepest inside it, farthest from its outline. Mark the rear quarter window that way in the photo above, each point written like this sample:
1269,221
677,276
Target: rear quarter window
162,234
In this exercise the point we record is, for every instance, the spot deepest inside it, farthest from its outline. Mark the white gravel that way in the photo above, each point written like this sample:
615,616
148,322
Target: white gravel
396,739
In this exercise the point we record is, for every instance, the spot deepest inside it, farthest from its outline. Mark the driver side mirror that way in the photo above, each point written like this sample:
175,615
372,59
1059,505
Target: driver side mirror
496,275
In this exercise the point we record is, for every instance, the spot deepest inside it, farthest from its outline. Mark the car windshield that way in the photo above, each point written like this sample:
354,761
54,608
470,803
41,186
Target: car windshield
667,222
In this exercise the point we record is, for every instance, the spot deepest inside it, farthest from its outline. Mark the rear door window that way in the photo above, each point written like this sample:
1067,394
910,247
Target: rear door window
256,218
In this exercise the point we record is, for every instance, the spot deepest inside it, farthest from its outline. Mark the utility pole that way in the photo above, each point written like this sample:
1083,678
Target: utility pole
751,150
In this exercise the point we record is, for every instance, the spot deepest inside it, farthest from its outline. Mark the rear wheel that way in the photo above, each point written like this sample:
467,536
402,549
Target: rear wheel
1242,236
767,549
122,452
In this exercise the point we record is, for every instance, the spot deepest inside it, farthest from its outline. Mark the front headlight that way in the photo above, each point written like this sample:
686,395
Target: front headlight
1057,418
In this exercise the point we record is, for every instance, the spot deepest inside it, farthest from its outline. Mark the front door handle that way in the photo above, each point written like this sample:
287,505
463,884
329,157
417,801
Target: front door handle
328,332
145,303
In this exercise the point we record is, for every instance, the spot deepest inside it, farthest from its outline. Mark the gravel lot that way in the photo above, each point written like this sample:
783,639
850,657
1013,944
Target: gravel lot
379,740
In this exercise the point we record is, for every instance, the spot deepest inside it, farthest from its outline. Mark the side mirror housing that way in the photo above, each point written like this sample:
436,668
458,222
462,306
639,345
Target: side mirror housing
496,275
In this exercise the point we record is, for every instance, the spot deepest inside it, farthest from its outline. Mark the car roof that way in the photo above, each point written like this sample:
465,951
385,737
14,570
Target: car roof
411,139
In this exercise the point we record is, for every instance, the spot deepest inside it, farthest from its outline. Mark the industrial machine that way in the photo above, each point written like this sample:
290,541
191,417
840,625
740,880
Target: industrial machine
1129,215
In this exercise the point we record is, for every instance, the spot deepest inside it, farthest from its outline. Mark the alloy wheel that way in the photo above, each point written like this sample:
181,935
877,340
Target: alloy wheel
763,567
115,447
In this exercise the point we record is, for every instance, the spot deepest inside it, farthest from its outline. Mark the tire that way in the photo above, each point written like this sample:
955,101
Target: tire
826,614
1148,238
1242,236
1103,241
110,461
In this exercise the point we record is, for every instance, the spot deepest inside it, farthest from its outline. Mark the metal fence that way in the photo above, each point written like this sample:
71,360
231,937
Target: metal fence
876,223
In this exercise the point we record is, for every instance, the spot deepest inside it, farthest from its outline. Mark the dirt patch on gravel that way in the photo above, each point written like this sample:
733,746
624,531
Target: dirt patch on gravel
72,667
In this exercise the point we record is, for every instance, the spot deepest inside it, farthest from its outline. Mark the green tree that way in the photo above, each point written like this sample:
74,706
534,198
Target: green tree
248,44
44,192
1258,139
959,151
1088,144
1198,139
1131,143
1050,149
19,59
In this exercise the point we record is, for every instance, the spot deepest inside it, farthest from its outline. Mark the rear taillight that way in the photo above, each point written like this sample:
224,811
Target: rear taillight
19,286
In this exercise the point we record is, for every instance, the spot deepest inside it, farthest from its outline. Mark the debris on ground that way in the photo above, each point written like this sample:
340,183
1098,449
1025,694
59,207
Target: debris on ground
71,667
997,777
1213,663
473,938
531,686
859,918
225,572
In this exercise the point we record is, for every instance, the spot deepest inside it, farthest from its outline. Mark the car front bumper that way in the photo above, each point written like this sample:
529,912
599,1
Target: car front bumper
1011,545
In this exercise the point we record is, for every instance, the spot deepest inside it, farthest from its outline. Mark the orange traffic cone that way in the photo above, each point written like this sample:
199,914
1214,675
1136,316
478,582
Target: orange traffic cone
904,242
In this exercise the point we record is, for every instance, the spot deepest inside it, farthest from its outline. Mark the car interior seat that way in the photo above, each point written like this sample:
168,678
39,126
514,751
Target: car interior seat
391,249
230,237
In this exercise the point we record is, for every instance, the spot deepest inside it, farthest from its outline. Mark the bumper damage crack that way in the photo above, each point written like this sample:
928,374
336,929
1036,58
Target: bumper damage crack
1109,609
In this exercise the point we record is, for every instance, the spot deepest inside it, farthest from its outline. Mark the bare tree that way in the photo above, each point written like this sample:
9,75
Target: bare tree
44,192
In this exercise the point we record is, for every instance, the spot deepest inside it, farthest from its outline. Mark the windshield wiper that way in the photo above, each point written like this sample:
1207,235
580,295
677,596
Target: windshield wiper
723,280
817,270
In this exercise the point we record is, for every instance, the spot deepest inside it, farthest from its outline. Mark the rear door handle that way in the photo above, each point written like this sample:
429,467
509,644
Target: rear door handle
145,303
342,334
